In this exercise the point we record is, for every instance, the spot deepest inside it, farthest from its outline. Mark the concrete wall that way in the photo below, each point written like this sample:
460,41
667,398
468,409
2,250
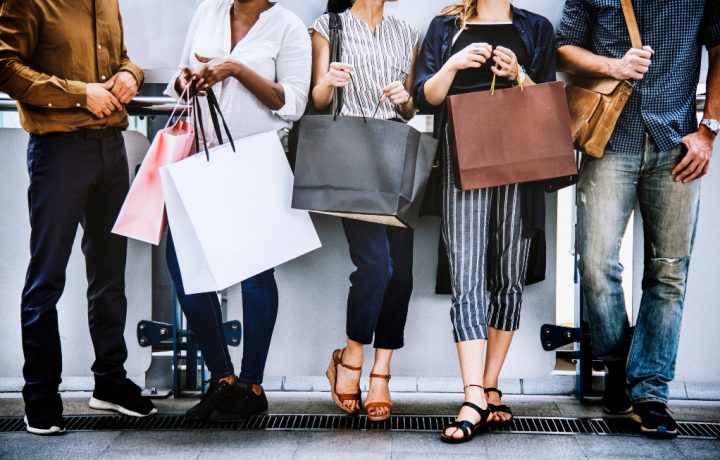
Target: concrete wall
313,289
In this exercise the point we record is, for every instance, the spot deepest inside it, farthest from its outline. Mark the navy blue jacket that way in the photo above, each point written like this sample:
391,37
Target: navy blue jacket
538,35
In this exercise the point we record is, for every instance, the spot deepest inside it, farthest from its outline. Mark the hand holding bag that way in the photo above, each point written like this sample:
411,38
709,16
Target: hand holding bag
596,103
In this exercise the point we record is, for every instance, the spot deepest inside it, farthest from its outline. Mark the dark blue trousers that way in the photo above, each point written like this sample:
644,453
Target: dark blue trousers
75,178
260,308
382,284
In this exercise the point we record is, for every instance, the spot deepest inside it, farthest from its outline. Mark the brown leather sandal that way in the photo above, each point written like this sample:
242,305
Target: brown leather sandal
379,405
340,398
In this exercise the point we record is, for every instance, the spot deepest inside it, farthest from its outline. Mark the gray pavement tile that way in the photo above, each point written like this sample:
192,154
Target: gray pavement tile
440,384
139,454
703,390
626,447
174,440
555,385
247,454
346,441
403,385
699,448
434,456
429,443
536,408
677,390
532,445
273,383
74,445
571,407
702,411
340,455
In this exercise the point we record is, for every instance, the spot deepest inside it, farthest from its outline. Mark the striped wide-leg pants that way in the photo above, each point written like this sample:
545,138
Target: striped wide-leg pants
488,255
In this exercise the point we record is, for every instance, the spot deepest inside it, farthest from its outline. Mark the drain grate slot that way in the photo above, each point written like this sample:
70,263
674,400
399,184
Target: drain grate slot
309,422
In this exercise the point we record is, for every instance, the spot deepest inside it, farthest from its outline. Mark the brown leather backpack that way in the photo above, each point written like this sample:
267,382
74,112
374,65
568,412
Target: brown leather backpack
596,103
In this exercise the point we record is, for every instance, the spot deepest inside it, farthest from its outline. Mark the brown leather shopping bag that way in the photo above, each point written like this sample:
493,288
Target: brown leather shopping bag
511,136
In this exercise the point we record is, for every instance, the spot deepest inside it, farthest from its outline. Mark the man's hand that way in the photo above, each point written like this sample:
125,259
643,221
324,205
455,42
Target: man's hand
214,71
696,163
100,99
125,86
634,65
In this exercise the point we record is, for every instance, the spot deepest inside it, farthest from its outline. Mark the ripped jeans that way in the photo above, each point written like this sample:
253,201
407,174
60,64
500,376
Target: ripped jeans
607,192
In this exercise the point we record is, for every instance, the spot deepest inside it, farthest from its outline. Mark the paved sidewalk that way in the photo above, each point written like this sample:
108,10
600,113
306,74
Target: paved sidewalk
180,445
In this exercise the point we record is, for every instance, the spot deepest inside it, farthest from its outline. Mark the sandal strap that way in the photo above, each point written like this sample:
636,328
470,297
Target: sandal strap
376,405
380,376
483,413
466,427
338,358
499,408
348,396
494,390
473,385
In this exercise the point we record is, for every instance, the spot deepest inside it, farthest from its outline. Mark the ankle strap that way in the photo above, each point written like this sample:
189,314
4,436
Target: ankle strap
341,355
380,376
493,390
473,385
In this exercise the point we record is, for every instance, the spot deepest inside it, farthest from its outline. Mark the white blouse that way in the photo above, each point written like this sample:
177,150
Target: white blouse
277,47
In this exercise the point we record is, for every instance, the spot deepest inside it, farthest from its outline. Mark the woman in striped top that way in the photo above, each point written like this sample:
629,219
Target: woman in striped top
378,54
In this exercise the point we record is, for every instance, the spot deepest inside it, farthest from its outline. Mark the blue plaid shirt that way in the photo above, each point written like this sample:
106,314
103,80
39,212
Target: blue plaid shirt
664,102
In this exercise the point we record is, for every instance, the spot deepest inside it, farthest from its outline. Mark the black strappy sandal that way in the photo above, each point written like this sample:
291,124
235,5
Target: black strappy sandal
468,429
499,407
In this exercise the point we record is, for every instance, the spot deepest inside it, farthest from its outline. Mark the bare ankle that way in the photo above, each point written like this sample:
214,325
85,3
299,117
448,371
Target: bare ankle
231,379
257,389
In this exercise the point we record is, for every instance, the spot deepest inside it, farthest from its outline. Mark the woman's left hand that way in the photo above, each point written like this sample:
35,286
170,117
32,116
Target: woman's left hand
506,63
214,71
396,93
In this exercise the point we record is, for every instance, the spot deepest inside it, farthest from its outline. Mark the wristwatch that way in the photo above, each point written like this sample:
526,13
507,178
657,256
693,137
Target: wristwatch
712,125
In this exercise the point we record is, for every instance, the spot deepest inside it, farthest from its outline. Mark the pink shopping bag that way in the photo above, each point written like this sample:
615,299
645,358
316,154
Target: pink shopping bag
142,216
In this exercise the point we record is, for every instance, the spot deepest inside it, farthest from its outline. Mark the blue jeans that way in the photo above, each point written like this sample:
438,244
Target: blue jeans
608,189
260,307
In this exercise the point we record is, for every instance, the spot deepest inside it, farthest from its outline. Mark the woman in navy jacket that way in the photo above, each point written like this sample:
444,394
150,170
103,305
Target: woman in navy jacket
488,233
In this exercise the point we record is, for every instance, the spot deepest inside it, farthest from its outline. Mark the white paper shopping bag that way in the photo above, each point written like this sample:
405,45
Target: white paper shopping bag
231,216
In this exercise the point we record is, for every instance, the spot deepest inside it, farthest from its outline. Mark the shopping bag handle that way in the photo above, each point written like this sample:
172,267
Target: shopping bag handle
214,107
492,86
182,101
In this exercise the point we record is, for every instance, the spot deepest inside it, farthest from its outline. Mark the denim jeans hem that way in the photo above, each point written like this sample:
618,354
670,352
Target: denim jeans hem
250,381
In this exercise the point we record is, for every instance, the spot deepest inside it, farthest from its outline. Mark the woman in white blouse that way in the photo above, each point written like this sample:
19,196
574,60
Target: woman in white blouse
256,57
377,75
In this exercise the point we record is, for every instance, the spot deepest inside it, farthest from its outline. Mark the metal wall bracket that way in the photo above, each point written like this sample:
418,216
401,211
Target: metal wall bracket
554,337
153,332
233,333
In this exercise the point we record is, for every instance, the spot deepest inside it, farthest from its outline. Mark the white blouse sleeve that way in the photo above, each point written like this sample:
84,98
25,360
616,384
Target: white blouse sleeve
294,67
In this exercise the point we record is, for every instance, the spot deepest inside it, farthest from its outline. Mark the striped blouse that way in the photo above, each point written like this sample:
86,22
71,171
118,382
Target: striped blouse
378,59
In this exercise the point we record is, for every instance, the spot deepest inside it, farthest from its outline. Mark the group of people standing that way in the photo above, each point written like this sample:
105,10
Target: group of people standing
71,79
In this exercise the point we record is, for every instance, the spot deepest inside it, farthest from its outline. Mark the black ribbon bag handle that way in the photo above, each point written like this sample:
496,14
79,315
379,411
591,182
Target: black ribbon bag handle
215,111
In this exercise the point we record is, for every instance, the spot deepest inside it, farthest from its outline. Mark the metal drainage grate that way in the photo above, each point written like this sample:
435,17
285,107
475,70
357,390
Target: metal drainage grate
527,425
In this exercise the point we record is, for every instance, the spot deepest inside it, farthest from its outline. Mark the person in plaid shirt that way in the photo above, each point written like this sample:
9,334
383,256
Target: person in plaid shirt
656,156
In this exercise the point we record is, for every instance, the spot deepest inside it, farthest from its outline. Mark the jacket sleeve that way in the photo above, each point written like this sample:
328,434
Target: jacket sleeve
428,64
546,70
19,30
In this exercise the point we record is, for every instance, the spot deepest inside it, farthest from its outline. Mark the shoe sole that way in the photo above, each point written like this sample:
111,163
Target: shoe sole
617,412
52,431
653,433
104,405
